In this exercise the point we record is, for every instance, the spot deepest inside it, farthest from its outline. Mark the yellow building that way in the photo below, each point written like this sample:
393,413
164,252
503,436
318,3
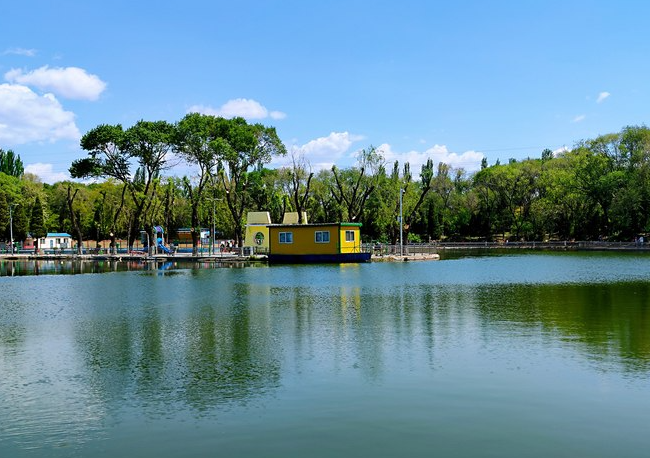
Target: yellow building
292,218
257,230
326,242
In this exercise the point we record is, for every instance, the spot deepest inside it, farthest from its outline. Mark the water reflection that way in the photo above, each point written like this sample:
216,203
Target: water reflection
86,358
608,323
16,268
209,354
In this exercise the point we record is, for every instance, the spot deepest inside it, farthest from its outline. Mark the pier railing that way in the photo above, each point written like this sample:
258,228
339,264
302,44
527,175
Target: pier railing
435,247
383,249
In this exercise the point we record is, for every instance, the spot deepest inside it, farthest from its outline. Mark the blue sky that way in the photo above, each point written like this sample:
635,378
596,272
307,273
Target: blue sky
454,81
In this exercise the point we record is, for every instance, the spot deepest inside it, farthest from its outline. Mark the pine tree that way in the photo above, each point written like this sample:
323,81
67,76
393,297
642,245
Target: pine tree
11,164
37,223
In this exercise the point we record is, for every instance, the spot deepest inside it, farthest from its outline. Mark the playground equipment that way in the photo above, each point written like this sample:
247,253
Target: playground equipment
159,240
158,237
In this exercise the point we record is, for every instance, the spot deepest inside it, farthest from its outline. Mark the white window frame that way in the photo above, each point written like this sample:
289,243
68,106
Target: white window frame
287,236
349,236
325,236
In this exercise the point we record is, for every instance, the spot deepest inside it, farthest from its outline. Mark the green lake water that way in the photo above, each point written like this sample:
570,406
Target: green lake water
515,355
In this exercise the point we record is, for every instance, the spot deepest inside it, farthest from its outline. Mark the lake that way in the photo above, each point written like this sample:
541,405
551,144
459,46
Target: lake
503,355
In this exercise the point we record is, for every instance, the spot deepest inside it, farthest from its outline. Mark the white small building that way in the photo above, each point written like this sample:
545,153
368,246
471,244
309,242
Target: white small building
55,241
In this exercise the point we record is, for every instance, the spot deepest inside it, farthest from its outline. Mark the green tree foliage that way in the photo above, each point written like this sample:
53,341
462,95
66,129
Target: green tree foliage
11,164
4,215
20,221
240,147
265,192
195,141
547,154
135,158
598,189
37,222
355,185
323,205
300,176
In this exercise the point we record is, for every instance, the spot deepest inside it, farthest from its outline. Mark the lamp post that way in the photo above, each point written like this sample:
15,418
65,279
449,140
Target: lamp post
11,229
213,240
401,225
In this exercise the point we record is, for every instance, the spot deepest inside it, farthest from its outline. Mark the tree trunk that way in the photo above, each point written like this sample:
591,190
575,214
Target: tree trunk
75,221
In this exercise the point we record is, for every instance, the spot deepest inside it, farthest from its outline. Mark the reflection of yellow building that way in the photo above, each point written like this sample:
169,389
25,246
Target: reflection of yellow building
257,230
326,242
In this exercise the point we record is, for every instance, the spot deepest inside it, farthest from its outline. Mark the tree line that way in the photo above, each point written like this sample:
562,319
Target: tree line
600,189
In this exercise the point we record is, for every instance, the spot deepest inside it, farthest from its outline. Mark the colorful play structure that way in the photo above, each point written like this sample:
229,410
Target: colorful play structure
159,241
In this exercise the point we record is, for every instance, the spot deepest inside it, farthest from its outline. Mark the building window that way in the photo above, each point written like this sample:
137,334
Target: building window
349,236
286,237
322,236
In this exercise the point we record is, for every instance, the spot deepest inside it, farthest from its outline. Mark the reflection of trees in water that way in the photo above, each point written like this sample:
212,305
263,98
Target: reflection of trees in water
219,353
225,345
230,352
15,268
67,266
609,322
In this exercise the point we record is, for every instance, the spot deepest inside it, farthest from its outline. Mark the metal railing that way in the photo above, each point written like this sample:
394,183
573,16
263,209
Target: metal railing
435,247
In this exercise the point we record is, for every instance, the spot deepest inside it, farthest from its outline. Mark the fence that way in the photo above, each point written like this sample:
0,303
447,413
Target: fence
435,247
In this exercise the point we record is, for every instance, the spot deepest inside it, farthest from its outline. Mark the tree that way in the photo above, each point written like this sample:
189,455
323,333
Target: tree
596,177
21,221
193,141
37,223
300,174
4,214
73,216
265,192
11,164
113,153
323,207
240,146
426,177
355,185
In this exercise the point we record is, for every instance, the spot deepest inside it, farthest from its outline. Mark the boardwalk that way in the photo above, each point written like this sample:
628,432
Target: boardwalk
379,251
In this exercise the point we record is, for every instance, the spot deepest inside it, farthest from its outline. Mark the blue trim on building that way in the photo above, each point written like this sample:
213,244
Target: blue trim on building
318,258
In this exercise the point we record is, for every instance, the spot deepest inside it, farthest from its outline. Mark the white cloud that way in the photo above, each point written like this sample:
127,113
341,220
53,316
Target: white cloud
602,96
20,52
561,150
46,173
579,118
277,115
469,160
324,152
69,82
336,148
245,108
28,117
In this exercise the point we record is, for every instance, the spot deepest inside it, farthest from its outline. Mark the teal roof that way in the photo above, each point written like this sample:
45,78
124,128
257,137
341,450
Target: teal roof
57,234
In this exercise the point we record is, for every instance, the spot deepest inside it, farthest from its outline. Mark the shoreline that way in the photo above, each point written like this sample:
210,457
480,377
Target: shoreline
387,253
